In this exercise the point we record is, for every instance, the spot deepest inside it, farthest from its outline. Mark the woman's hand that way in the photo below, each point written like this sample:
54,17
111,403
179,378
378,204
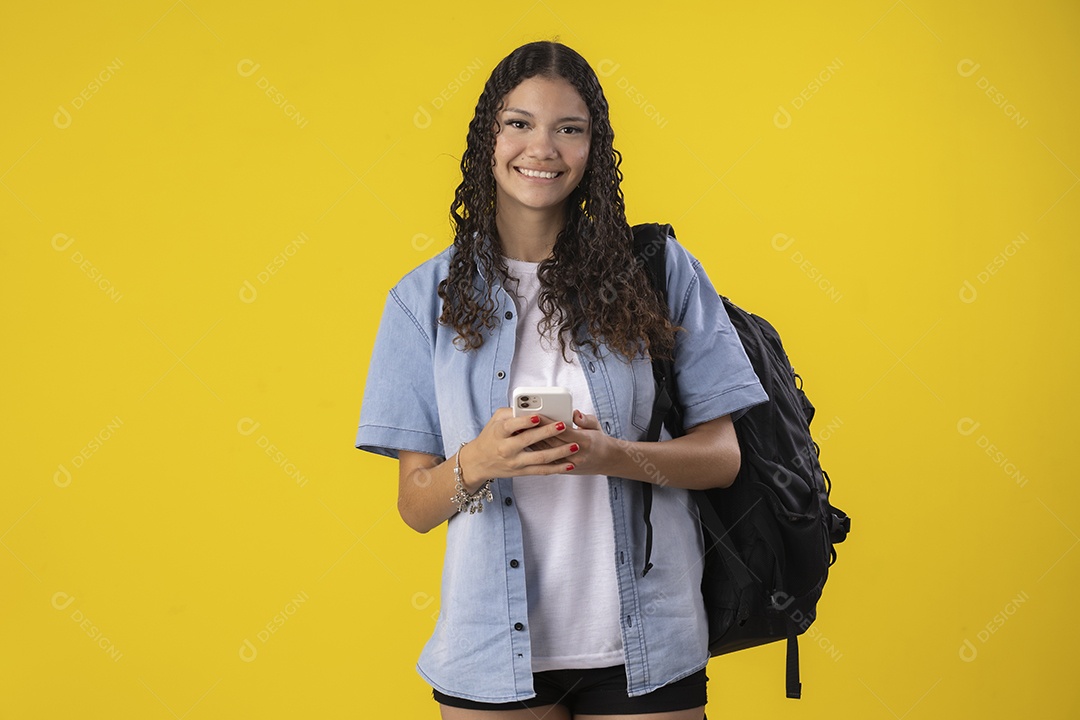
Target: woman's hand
589,445
426,483
502,449
706,456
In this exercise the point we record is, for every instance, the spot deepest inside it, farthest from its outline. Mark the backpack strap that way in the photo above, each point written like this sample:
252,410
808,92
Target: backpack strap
650,244
650,247
794,686
646,505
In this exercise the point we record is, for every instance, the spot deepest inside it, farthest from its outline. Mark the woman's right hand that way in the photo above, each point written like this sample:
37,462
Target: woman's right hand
426,482
502,449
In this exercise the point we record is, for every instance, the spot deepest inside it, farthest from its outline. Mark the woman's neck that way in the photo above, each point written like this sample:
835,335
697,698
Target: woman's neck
527,234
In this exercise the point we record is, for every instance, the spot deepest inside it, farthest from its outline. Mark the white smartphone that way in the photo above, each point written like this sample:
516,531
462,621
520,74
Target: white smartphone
552,402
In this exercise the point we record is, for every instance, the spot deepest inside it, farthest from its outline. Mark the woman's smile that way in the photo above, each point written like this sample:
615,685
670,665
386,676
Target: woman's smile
538,174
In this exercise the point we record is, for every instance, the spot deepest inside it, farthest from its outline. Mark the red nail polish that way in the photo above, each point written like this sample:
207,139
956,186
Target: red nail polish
535,419
560,426
569,467
573,447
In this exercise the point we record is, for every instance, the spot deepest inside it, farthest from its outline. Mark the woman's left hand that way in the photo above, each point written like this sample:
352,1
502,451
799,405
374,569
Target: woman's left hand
593,444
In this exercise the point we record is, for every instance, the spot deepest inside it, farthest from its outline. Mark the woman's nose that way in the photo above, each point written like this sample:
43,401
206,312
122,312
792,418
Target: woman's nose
541,145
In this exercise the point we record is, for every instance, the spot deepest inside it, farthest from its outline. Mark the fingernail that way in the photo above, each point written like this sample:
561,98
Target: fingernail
573,447
569,467
535,418
560,426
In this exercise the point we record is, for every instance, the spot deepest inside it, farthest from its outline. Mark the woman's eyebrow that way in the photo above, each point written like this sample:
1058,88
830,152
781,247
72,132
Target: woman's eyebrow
571,118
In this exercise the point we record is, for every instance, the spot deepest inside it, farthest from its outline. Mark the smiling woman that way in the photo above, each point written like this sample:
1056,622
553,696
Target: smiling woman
540,157
542,610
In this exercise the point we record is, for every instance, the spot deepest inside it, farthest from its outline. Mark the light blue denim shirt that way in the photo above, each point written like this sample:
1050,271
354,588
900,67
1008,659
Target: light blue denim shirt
425,395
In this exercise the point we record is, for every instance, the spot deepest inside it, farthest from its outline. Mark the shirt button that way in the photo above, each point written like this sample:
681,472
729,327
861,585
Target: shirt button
519,626
509,501
607,427
592,368
509,315
514,563
500,374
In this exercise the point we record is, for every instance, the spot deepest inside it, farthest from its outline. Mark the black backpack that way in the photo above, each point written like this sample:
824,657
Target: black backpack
768,537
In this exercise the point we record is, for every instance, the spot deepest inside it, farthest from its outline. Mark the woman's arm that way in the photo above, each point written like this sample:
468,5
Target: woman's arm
426,482
707,456
425,485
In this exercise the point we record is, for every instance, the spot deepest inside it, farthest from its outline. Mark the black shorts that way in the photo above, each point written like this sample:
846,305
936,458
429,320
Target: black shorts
600,691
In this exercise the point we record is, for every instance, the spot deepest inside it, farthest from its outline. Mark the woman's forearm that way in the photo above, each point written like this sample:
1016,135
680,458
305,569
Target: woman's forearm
426,484
707,456
424,490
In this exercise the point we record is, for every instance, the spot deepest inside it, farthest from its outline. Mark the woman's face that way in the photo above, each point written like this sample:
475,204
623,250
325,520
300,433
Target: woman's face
542,145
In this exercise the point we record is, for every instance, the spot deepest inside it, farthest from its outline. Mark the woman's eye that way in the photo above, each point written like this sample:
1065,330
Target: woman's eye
519,124
573,130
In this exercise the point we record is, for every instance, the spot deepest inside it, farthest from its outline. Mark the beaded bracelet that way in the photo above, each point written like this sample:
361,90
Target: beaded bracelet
463,499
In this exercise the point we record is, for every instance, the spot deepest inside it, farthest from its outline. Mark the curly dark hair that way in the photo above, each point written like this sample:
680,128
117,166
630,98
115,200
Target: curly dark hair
592,282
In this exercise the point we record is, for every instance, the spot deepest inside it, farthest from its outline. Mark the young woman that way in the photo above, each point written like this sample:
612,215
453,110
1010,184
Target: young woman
545,609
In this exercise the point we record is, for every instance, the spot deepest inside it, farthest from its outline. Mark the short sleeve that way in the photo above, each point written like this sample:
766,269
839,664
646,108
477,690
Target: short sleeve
399,410
713,375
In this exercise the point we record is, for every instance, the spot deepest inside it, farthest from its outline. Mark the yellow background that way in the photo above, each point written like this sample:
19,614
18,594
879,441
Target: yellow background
193,270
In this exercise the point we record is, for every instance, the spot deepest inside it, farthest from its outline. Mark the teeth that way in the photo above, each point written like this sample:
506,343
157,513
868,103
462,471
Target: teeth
537,173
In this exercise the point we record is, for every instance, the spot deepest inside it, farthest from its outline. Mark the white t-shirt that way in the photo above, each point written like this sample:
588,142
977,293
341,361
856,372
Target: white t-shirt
566,519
